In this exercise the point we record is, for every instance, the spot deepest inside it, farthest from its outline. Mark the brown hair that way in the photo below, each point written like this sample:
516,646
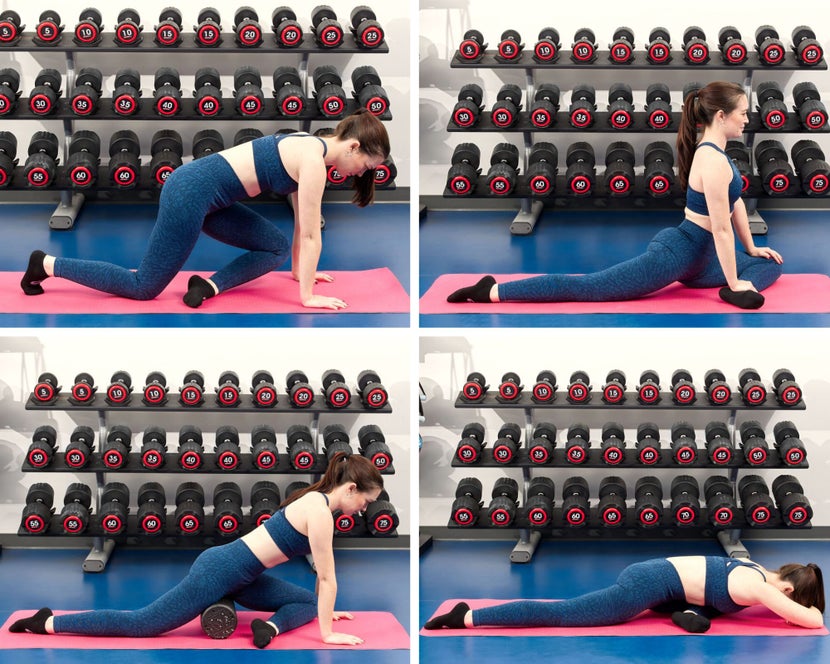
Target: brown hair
808,585
343,469
374,140
699,109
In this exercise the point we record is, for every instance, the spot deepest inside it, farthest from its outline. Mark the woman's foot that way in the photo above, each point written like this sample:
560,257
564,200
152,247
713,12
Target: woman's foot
35,624
198,290
452,620
744,299
263,632
480,292
35,273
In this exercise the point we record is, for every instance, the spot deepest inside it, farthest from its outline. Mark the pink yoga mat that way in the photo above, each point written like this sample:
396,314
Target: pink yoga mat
792,293
379,630
367,291
754,621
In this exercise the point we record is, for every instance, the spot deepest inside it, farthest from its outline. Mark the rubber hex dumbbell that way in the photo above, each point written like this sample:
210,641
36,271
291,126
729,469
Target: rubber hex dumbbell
288,91
336,439
683,444
753,443
207,142
345,524
503,173
88,29
682,388
125,160
581,173
583,106
246,134
265,500
381,517
119,389
192,392
299,391
41,165
658,106
209,29
788,444
191,449
9,90
369,91
227,508
336,391
8,154
372,445
43,99
753,391
128,29
190,508
468,108
579,388
38,511
10,28
386,172
507,443
544,390
328,91
619,168
685,500
541,170
659,164
539,504
167,94
771,105
115,506
155,389
467,504
577,444
115,450
510,47
288,32
620,107
543,110
732,48
46,389
717,389
811,167
294,487
152,511
584,48
648,443
471,444
505,111
48,30
249,99
720,503
740,156
264,454
648,502
808,105
228,394
510,388
613,444
301,450
575,507
695,48
621,50
611,508
87,91
475,387
464,171
372,393
168,32
755,500
125,96
547,46
75,515
501,511
719,446
787,391
166,149
44,445
263,390
472,46
793,504
328,33
770,48
153,451
658,49
83,389
808,51
246,28
540,449
648,391
78,453
227,453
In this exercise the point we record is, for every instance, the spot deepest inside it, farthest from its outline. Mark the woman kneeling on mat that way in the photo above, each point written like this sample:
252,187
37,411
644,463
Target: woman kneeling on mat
304,524
691,588
700,252
203,195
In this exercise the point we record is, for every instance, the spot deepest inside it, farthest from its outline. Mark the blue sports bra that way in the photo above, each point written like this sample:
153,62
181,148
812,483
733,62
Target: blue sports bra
270,171
290,540
696,201
734,563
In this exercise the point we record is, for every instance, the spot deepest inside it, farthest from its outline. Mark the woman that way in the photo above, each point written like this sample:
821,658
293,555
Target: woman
722,585
202,195
303,525
700,253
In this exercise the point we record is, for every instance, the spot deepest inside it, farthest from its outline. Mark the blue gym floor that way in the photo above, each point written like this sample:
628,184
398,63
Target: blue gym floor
559,569
354,239
367,581
577,242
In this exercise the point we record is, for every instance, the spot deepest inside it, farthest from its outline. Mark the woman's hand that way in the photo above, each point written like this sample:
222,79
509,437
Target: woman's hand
338,638
342,615
766,252
324,302
318,276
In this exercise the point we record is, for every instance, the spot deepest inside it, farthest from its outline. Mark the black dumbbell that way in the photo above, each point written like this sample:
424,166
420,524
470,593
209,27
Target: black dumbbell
46,389
577,444
539,504
658,106
381,517
86,92
648,391
659,174
336,439
119,389
613,444
547,46
468,108
298,389
125,161
753,443
475,387
191,448
695,48
584,49
226,451
793,504
246,134
336,391
544,390
720,503
288,91
771,105
658,49
265,500
648,443
41,165
128,29
501,511
503,173
152,511
10,28
83,389
287,30
770,48
8,152
368,33
264,454
541,170
717,389
263,390
472,46
248,95
731,46
579,388
648,502
811,167
167,94
788,444
246,27
620,107
115,506
469,447
581,174
169,28
328,91
166,149
38,511
682,389
719,446
386,172
467,504
787,391
345,524
619,168
228,394
685,500
739,153
115,450
208,92
74,516
510,47
190,508
755,500
683,444
510,388
153,448
48,29
78,453
9,90
542,112
583,106
372,392
88,28
611,508
301,450
753,391
464,171
328,33
507,443
44,445
372,445
207,142
808,105
621,50
192,392
155,389
292,488
575,508
209,29
227,508
505,111
43,99
125,96
808,51
540,449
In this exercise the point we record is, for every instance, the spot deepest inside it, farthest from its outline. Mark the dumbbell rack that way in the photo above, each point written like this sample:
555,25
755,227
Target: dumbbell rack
529,538
531,207
102,548
71,200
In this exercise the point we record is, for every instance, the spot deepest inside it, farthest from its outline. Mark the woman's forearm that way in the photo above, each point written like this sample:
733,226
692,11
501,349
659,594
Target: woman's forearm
308,256
327,593
725,250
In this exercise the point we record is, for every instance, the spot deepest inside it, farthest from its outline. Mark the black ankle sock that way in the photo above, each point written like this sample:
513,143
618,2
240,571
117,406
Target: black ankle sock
452,620
691,621
741,299
35,624
263,632
480,292
198,290
35,273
